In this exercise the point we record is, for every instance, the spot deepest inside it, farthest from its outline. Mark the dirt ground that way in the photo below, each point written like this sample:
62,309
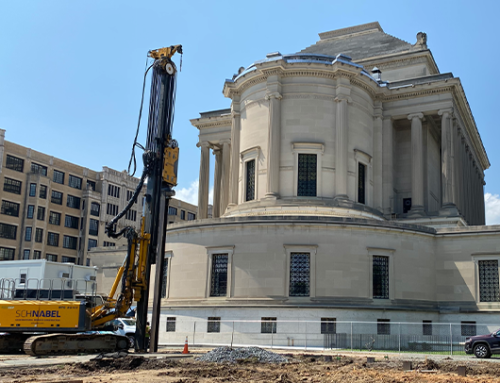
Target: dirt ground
303,368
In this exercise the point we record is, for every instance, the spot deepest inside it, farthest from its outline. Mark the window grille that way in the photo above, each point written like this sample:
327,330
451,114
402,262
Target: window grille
71,222
12,186
53,239
54,218
328,325
51,257
218,285
307,175
95,208
250,173
8,231
75,182
361,182
191,216
92,243
43,192
93,227
488,281
383,326
40,213
468,328
10,208
58,177
213,324
268,325
26,254
57,197
65,259
73,202
14,163
427,327
38,235
39,169
31,211
6,254
37,254
164,280
171,324
70,242
108,244
380,277
27,234
172,210
32,190
299,274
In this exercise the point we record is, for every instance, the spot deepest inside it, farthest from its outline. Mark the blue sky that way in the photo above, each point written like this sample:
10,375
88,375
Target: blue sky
71,71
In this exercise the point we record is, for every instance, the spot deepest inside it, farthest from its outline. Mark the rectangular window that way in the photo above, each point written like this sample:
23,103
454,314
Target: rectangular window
406,205
299,274
6,254
8,231
90,185
37,254
43,192
488,281
27,234
39,169
250,179
40,213
164,279
191,216
183,214
14,163
12,186
383,326
51,257
26,254
213,324
130,194
93,227
71,221
65,259
218,283
38,235
111,209
328,325
131,215
380,277
58,177
268,325
70,242
114,191
54,218
170,324
75,182
10,208
92,243
307,175
427,327
468,328
361,182
31,211
57,197
53,239
108,244
32,190
172,210
72,201
95,208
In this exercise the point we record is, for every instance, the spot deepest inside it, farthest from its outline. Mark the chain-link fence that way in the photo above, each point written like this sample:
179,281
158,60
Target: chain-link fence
383,335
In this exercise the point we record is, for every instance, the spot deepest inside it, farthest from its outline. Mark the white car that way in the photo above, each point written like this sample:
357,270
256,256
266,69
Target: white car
125,326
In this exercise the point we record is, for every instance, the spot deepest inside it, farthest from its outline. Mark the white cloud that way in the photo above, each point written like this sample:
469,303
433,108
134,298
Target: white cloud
492,207
190,194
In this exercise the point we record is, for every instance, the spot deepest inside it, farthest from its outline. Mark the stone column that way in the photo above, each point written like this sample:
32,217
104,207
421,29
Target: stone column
388,167
417,165
448,207
377,157
341,143
217,183
204,178
235,157
226,158
273,147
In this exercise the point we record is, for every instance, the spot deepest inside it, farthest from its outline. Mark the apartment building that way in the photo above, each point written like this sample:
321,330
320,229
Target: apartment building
179,211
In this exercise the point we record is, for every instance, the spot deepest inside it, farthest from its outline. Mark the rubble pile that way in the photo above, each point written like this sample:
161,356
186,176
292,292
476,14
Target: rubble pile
239,354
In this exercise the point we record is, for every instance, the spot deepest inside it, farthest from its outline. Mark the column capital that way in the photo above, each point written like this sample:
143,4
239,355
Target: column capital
216,150
415,115
224,142
343,97
235,114
271,95
445,111
203,144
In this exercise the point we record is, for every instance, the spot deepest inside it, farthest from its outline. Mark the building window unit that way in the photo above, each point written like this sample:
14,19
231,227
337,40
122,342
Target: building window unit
70,242
191,216
307,175
65,259
213,324
108,244
131,215
250,180
8,231
38,235
380,277
43,192
328,325
218,281
183,215
37,254
468,328
383,327
299,274
268,325
427,327
93,227
54,218
57,197
130,194
12,186
114,191
26,254
111,209
75,182
14,163
32,192
40,213
406,205
27,233
488,281
170,324
31,211
71,221
90,185
172,210
58,177
361,183
51,257
92,243
72,201
164,279
39,169
95,208
10,208
6,254
53,239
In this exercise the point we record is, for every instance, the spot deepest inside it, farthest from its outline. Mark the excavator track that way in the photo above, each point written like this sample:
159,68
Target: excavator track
54,344
12,343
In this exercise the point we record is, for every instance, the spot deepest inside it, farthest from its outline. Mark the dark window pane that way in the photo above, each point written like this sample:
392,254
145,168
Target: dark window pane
71,222
93,227
70,242
75,182
65,259
43,192
361,183
170,324
73,202
6,254
37,254
468,328
328,325
488,281
307,175
31,211
268,325
8,231
95,209
39,169
10,208
299,274
250,174
427,327
183,214
57,197
92,243
380,277
26,254
14,163
54,218
191,216
38,235
40,214
32,190
51,257
53,239
213,324
383,326
218,285
164,280
58,177
12,186
27,235
172,210
90,185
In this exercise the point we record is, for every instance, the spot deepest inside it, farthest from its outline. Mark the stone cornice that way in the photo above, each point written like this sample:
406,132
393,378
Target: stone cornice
210,122
399,60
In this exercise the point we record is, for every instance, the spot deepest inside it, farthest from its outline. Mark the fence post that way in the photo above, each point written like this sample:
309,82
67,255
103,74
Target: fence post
194,330
306,333
451,340
272,337
351,336
232,337
399,338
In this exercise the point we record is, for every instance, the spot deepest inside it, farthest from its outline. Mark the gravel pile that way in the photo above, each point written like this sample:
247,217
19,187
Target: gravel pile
239,354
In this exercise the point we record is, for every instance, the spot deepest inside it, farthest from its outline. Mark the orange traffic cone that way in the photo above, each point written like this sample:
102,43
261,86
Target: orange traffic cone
186,351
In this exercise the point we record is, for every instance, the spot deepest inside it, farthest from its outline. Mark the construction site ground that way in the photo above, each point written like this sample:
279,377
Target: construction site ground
172,366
